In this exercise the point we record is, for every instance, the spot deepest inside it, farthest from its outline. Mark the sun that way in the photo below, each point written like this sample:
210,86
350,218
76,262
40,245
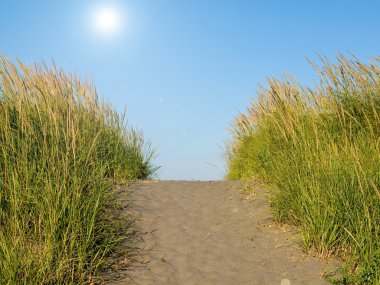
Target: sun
106,20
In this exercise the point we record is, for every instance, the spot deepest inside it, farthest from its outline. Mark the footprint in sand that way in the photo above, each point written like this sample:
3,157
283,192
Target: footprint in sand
201,233
285,282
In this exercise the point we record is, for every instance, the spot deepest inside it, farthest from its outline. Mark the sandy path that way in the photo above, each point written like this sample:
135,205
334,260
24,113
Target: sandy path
208,233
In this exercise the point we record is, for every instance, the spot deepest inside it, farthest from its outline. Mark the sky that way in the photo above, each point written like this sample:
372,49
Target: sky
184,69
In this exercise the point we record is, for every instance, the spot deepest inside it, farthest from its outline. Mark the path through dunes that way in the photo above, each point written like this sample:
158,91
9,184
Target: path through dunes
208,233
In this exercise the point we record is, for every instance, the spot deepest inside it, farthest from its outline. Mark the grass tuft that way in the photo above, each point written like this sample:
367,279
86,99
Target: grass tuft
319,149
61,149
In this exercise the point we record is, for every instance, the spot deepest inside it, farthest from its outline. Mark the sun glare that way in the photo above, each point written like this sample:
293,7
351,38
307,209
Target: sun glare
106,20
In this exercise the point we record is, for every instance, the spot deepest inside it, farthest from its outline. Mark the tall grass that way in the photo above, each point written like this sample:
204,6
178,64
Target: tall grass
60,151
319,149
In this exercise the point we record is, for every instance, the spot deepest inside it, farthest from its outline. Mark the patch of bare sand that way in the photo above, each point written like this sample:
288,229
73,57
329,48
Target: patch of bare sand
196,232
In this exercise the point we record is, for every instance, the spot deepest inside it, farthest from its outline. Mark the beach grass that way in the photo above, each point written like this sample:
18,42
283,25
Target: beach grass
61,151
319,150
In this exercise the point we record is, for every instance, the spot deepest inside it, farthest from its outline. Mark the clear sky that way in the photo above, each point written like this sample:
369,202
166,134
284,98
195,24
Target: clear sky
184,68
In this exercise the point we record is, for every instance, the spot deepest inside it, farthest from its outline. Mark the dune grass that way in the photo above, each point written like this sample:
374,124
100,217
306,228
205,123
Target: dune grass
319,150
61,150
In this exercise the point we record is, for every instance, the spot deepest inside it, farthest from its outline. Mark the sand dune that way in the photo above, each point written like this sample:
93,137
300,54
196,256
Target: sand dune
208,233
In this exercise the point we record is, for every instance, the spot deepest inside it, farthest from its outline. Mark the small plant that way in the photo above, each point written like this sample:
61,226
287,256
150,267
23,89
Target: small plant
61,149
319,149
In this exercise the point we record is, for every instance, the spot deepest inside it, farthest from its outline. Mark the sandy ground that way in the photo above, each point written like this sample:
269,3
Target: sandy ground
195,232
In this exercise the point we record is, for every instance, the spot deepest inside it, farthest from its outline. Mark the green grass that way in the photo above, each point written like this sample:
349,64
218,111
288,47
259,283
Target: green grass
61,150
319,150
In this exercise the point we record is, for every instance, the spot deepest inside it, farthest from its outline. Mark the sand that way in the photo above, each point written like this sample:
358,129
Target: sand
196,232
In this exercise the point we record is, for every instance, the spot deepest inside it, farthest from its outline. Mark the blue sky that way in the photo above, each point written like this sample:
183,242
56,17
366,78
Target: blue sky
184,68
